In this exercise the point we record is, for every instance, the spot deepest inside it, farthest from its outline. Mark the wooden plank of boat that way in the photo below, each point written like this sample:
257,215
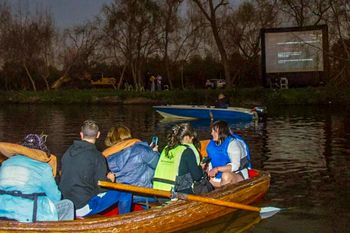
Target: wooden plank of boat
203,112
176,216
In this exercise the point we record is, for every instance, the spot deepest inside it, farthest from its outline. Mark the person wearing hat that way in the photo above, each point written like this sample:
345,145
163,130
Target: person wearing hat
28,191
221,102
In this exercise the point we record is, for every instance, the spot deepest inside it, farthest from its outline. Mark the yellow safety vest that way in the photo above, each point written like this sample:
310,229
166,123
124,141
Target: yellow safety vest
168,167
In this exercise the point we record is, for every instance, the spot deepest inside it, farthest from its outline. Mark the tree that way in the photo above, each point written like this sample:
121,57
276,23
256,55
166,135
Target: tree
243,33
340,31
81,51
26,42
132,31
305,12
209,9
169,20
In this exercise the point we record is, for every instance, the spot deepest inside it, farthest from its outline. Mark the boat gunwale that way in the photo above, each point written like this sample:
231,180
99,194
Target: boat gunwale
203,107
116,221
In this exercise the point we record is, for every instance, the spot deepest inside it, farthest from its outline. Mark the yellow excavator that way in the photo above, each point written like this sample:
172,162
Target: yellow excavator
104,82
98,82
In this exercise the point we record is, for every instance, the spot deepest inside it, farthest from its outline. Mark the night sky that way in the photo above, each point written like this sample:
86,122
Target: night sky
65,12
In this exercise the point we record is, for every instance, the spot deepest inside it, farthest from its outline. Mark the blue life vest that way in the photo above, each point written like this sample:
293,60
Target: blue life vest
219,155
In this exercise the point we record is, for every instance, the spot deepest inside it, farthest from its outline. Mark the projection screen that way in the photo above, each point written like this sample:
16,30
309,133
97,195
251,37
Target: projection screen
294,51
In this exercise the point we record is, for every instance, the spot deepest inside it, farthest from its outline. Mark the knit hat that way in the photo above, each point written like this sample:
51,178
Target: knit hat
35,141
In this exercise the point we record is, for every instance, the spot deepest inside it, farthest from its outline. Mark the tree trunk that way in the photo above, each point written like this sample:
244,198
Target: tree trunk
133,72
224,60
121,78
167,70
182,77
46,82
166,57
29,76
211,17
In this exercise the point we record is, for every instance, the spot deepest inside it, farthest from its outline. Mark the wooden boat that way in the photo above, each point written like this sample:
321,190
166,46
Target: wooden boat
176,216
203,112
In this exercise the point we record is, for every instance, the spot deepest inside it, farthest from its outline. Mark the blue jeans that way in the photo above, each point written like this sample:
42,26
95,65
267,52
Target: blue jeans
105,200
143,200
65,210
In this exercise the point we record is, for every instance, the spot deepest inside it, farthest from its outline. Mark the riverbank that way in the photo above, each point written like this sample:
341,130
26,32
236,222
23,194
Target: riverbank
238,97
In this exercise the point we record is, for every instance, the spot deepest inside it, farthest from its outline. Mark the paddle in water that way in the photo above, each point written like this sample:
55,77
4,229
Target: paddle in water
265,212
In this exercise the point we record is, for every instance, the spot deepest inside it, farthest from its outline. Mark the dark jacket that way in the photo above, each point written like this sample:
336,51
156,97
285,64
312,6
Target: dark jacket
189,167
82,166
222,103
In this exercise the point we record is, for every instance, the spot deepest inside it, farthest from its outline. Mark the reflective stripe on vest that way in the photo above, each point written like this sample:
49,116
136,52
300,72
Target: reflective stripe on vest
196,153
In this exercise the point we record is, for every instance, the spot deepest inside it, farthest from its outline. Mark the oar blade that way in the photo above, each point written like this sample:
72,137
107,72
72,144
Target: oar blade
267,212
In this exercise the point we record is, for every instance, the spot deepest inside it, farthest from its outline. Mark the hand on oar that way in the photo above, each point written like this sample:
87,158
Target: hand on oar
264,212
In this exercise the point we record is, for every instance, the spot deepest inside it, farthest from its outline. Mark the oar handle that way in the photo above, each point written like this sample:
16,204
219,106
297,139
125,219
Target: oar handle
137,189
162,193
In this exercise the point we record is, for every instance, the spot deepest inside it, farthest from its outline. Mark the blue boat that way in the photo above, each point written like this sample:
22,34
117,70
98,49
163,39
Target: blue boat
204,112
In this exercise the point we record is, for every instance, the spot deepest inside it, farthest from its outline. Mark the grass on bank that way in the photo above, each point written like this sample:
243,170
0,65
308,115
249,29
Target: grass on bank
237,96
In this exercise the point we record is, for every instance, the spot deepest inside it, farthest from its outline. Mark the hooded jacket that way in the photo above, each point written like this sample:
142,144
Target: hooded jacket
82,166
22,174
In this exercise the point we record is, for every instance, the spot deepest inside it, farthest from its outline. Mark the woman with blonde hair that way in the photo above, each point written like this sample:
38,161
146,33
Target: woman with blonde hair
131,160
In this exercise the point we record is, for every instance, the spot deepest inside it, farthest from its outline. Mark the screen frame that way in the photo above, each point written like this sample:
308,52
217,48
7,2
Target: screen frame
297,78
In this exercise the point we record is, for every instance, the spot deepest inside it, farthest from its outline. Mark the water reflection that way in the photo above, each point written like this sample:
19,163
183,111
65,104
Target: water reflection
305,149
239,221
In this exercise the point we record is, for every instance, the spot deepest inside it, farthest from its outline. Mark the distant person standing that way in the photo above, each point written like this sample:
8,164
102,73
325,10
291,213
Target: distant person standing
221,102
159,82
152,80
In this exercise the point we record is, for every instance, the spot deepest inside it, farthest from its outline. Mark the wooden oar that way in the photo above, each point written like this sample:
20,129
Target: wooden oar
190,197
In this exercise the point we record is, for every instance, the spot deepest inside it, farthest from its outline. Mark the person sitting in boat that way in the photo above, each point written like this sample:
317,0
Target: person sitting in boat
179,164
82,167
229,156
131,160
28,191
221,102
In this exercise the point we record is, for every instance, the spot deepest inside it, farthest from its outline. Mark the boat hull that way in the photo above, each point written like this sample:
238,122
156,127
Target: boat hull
203,112
176,216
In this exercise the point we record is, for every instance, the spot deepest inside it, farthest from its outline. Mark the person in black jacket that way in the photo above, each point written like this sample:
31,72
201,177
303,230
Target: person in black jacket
82,167
222,101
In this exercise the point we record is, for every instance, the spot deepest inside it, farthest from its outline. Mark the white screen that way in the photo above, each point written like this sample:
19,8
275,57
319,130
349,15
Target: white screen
298,51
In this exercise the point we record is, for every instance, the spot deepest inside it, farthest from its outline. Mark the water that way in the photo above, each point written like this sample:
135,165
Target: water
306,150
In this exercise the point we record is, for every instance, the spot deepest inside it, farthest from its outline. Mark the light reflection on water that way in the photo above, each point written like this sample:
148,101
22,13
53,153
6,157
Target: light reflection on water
305,149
